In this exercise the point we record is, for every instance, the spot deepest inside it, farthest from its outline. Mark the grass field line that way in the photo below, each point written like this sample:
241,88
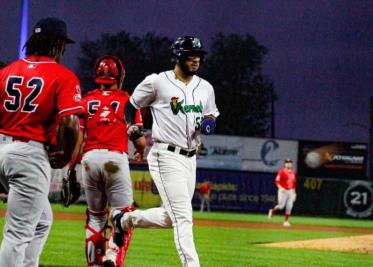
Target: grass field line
64,215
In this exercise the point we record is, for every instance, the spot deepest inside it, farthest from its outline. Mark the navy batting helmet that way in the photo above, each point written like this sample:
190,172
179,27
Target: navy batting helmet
187,46
109,70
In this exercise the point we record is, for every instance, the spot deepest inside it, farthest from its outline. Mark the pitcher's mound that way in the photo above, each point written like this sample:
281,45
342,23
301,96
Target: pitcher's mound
357,244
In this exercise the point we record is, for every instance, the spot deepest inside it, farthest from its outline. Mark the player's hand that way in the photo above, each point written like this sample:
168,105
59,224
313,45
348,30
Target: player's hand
134,132
58,159
139,155
208,125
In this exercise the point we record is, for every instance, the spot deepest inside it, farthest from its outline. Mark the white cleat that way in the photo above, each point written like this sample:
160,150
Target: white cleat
286,224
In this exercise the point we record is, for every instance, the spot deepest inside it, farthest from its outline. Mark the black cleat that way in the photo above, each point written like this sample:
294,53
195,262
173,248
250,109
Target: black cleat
109,263
118,232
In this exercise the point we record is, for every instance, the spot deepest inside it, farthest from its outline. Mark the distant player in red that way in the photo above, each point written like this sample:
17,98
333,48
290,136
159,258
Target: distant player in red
35,92
286,183
205,195
105,168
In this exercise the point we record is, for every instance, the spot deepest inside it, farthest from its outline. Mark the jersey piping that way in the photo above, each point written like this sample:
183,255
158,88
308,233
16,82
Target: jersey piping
186,116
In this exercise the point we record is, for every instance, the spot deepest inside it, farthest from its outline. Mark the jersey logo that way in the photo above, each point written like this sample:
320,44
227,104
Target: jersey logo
106,116
177,106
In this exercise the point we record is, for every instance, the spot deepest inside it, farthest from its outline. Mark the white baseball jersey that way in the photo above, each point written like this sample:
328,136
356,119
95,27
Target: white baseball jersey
177,108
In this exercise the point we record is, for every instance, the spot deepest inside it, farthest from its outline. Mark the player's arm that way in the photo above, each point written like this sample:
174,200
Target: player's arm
67,137
77,150
278,181
210,113
138,139
130,114
140,145
142,96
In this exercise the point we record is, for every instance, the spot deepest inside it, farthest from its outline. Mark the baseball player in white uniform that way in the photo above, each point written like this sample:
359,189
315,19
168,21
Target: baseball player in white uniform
183,106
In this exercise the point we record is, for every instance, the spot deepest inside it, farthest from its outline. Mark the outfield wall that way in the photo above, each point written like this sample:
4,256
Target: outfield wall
256,192
242,169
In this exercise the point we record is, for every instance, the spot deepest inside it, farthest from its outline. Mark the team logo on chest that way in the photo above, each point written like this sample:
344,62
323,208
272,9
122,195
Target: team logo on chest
177,106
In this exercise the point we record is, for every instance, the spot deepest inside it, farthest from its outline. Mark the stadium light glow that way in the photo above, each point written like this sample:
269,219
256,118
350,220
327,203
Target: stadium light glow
23,31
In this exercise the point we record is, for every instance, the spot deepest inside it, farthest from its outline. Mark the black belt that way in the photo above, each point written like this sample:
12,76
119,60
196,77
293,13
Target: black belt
183,152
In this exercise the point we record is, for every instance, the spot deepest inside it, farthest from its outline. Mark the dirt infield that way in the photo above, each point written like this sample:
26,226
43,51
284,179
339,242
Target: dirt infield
356,244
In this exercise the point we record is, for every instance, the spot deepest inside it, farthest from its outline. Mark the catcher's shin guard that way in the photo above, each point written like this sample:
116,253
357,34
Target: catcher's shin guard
125,236
95,242
119,252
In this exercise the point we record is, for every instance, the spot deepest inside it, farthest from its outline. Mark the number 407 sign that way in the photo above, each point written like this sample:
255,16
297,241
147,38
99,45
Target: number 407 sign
358,199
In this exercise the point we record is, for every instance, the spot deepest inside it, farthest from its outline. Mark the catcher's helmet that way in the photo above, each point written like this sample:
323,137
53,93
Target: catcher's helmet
109,70
186,46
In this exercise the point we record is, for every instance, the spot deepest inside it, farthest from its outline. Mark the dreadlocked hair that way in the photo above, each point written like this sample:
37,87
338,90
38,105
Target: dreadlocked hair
43,45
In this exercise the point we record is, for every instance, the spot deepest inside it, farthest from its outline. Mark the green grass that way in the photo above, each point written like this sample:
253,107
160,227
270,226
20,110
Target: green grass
217,247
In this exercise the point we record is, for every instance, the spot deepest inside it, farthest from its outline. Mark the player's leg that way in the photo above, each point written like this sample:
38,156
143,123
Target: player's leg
288,207
35,248
208,203
202,203
281,198
27,171
174,176
97,214
175,181
119,193
95,241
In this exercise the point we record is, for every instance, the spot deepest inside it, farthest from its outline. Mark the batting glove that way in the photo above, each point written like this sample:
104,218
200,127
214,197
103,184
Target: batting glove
208,125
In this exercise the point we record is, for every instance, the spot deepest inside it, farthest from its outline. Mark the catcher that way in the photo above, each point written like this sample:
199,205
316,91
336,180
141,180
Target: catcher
105,168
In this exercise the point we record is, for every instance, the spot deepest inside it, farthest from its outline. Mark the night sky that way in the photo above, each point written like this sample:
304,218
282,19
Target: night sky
320,52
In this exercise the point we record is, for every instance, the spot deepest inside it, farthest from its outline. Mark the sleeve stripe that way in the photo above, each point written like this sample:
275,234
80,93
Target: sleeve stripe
69,109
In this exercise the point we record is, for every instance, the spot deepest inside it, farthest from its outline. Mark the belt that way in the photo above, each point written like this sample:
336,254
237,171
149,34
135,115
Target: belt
188,153
176,149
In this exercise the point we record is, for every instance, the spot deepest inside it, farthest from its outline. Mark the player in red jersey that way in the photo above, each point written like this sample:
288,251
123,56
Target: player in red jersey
286,183
205,195
34,93
105,168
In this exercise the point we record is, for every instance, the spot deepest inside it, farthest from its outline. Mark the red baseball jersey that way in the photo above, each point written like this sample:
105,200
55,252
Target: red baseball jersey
205,188
34,93
104,120
286,179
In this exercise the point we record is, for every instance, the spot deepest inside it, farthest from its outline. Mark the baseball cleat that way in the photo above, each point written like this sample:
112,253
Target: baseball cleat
109,263
109,260
286,224
118,232
270,213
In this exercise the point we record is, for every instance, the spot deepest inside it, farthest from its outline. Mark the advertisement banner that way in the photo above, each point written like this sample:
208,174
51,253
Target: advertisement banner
332,159
268,155
237,191
245,153
145,193
237,153
221,152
